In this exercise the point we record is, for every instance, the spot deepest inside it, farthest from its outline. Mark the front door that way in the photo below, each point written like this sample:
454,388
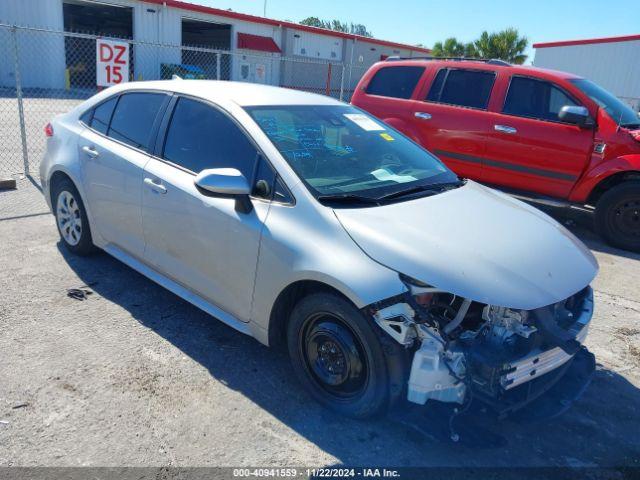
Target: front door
528,147
113,154
202,242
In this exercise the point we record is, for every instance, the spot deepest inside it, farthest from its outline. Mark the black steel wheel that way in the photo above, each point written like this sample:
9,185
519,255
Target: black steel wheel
618,216
333,355
338,356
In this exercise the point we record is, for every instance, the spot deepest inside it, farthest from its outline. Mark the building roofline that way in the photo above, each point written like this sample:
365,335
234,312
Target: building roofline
280,23
588,41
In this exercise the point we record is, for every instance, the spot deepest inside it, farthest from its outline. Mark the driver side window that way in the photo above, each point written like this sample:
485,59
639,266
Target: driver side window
529,97
201,137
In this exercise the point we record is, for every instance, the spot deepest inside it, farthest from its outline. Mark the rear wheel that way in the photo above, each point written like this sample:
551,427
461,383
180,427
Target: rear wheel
71,218
337,355
618,216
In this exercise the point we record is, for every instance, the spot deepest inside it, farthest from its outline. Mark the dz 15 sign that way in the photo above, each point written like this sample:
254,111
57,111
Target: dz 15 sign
112,62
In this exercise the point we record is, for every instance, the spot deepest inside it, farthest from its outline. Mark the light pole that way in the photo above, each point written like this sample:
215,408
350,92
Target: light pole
265,9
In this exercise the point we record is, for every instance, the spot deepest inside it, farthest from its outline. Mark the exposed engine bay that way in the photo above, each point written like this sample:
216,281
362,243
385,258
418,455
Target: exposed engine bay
462,348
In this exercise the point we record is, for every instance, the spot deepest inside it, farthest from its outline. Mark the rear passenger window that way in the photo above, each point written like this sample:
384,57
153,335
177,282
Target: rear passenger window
201,137
133,118
396,82
102,115
529,97
465,88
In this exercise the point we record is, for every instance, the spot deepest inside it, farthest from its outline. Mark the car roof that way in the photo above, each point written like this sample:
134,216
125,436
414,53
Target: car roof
241,93
480,64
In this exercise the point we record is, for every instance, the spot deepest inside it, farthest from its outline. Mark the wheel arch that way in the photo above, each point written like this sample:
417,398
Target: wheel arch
610,182
56,177
287,300
60,173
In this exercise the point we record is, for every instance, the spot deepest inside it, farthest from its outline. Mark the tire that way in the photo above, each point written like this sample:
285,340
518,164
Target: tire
337,355
618,216
71,218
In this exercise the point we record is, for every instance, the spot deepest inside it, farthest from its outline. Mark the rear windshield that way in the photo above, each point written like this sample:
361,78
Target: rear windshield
337,149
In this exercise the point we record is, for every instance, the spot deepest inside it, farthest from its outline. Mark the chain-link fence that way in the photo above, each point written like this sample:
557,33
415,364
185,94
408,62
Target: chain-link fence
45,73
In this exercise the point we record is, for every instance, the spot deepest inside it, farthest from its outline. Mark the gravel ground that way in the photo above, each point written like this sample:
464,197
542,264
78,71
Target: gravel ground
135,376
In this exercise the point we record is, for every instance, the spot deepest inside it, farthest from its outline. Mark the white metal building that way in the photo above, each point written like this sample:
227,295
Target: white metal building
176,23
612,62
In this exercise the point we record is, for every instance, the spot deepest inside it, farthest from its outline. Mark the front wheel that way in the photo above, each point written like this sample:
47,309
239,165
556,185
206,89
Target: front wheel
338,356
618,216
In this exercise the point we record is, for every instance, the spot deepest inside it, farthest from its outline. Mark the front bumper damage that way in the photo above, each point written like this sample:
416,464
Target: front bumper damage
503,358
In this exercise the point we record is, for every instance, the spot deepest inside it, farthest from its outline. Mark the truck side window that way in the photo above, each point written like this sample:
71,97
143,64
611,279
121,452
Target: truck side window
395,82
464,88
529,97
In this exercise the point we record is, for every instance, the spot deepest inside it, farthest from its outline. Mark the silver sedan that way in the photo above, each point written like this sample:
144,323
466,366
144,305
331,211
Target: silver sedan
305,222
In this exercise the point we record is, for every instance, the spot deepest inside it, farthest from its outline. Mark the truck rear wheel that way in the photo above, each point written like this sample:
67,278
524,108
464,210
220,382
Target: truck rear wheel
618,216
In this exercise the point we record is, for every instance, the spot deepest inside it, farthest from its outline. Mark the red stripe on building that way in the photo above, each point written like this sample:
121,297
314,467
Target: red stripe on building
587,41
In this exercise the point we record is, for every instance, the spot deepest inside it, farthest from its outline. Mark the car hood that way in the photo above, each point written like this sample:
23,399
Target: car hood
477,243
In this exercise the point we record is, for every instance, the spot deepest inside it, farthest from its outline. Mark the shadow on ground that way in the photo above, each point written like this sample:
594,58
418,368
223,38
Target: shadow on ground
601,429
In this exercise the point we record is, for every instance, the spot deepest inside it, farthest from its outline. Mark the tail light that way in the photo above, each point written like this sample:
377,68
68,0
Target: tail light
636,135
48,130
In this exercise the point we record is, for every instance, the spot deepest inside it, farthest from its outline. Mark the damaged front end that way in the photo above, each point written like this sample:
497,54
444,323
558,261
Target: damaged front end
507,358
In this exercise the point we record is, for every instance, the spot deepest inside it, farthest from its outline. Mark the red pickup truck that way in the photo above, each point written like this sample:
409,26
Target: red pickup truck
546,135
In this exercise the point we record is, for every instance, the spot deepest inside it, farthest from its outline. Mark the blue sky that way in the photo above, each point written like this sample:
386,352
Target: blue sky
427,21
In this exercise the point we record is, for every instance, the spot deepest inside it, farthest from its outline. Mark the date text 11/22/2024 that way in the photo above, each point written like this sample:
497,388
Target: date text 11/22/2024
316,472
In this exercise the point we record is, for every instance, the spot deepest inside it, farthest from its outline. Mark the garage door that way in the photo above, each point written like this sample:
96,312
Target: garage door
97,19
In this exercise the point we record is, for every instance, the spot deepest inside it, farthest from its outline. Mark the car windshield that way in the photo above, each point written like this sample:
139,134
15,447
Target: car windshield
344,153
619,111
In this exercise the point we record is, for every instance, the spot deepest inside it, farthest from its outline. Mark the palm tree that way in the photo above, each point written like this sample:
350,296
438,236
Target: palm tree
453,48
506,45
450,48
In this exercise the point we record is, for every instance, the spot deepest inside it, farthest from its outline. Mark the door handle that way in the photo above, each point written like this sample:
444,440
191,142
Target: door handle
91,151
505,129
155,185
422,115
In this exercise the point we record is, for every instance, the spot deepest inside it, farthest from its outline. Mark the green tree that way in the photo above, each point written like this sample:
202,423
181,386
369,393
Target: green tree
506,45
338,26
451,47
313,22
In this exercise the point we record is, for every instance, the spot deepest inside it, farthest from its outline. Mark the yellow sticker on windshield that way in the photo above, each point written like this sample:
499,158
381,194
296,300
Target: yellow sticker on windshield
387,137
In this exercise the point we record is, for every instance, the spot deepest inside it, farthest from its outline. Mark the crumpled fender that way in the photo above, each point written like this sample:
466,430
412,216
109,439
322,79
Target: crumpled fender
601,171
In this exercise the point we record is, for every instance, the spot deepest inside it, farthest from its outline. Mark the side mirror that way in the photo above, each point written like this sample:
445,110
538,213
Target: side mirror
576,115
225,182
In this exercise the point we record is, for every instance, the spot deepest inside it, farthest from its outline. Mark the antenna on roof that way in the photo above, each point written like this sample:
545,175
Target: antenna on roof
176,77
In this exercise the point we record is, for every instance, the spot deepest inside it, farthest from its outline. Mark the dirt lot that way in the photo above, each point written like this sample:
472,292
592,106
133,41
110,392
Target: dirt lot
135,376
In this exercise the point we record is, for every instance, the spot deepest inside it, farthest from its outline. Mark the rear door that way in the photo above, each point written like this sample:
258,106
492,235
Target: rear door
528,147
388,96
204,243
452,118
113,152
